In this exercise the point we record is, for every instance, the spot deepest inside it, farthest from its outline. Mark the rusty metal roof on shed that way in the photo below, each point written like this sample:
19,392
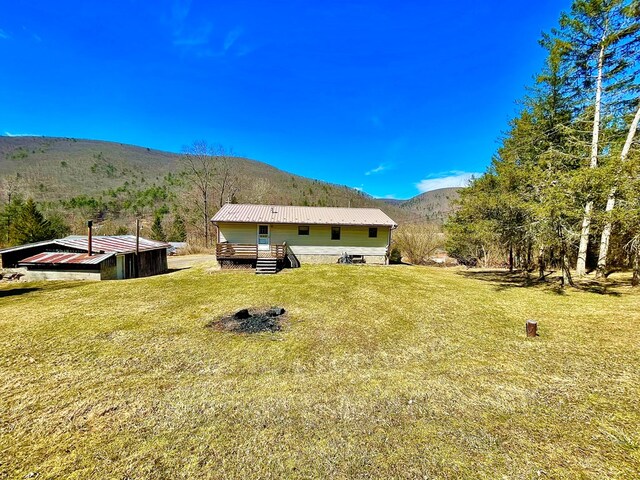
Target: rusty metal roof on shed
58,258
114,244
100,244
247,213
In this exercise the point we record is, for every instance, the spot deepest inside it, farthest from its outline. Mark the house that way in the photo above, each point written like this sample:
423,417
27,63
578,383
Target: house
69,258
290,234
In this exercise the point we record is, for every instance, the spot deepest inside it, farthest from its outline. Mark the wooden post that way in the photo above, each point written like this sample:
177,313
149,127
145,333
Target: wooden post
532,328
137,247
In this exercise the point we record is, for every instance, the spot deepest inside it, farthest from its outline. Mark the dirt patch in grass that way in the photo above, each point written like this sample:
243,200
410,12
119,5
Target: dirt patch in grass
254,321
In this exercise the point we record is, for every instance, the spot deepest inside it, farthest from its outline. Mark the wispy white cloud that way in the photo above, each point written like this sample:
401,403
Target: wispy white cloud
357,188
231,38
179,12
184,33
195,37
9,134
380,168
4,35
34,36
454,178
391,196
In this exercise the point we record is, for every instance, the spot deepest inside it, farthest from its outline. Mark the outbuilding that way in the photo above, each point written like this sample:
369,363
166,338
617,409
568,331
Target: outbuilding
71,258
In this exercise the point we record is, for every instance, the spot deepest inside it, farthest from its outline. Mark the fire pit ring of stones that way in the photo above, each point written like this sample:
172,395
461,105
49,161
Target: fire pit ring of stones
252,321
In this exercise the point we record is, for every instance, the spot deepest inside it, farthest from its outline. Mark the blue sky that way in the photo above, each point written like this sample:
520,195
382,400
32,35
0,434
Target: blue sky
393,98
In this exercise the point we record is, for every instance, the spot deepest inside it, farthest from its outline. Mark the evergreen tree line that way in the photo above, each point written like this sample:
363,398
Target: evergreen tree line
22,222
563,190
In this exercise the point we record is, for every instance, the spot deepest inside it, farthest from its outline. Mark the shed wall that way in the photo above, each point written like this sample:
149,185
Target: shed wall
152,262
108,269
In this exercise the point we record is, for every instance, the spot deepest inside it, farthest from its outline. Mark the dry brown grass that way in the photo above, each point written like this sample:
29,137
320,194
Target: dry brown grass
398,372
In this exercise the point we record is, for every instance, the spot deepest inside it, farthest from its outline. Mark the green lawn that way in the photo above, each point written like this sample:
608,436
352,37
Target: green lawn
380,372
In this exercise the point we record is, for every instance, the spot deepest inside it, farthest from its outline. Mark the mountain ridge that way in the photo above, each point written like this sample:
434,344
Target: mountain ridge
112,178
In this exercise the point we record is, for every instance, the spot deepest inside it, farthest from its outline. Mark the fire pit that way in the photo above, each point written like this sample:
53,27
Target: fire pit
244,321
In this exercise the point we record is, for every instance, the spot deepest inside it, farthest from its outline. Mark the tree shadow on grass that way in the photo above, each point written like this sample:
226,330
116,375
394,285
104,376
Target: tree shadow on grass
602,287
16,291
504,280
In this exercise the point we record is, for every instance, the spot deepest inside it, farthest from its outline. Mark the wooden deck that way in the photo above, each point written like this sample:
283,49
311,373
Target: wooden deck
247,251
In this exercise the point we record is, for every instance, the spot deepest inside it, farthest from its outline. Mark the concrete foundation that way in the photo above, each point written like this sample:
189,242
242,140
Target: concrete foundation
38,275
368,259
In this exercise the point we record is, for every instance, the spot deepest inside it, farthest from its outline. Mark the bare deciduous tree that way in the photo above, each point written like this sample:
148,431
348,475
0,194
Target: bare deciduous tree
260,190
11,186
208,169
418,242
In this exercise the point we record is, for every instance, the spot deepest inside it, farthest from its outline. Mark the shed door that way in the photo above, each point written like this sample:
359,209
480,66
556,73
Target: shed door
119,267
263,237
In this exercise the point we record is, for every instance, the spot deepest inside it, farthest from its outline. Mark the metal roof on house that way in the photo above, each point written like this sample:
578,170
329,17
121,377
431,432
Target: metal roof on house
247,213
57,258
100,244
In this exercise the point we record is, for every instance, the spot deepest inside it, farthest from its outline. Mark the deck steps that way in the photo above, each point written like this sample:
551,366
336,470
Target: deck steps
266,266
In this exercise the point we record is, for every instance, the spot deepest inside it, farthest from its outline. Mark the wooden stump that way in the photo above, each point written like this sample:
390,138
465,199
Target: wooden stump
532,328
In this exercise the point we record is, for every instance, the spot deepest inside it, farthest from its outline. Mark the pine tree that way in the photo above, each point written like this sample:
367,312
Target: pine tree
31,226
611,199
178,230
8,220
599,37
157,232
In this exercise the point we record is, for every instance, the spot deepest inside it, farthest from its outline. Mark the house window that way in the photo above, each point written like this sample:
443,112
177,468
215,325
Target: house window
373,232
335,233
263,230
303,229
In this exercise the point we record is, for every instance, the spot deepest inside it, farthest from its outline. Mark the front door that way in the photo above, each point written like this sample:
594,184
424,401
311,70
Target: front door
263,237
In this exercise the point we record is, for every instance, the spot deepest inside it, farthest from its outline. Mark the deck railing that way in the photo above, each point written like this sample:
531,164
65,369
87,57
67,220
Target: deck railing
248,251
236,250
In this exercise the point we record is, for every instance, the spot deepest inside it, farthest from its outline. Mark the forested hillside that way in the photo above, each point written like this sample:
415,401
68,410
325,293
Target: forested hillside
73,180
435,205
563,191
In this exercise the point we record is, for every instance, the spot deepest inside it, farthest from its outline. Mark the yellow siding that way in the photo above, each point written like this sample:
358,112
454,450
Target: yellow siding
320,235
238,232
353,239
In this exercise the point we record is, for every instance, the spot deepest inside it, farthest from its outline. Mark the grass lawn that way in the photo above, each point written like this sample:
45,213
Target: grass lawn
380,372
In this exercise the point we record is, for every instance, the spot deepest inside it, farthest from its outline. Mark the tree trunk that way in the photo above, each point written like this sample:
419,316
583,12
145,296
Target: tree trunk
511,258
581,265
611,201
566,273
541,264
206,221
635,281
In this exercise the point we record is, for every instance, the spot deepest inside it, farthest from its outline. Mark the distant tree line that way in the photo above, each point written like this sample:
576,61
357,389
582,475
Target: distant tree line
175,206
563,190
